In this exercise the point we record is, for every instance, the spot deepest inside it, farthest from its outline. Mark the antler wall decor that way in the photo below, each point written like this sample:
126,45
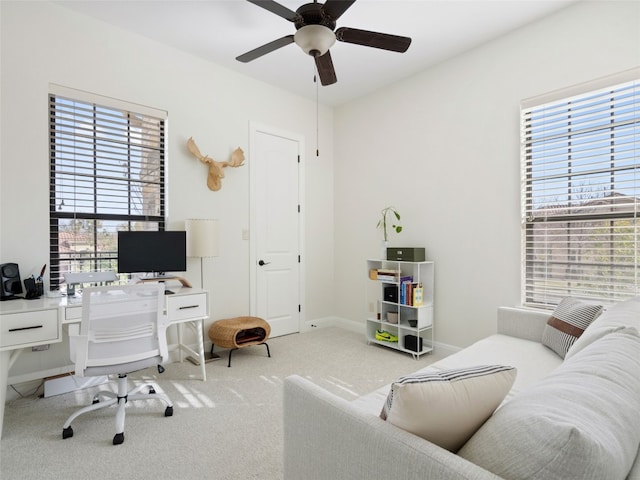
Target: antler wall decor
216,174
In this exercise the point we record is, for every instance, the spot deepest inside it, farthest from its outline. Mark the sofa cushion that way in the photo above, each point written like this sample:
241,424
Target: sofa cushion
533,360
570,318
581,422
447,407
616,317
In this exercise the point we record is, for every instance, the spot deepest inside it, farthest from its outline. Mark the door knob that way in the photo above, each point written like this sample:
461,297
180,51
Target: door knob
263,263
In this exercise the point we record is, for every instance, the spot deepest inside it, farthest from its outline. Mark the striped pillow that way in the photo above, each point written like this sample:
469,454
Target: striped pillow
447,407
570,318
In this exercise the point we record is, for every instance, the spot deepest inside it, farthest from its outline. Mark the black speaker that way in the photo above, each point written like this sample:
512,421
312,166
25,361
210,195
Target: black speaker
11,284
391,294
412,342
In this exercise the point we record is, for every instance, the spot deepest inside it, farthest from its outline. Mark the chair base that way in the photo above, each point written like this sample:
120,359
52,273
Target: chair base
120,399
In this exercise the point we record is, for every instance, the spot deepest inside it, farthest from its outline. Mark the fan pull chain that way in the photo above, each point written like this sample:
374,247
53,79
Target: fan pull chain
315,79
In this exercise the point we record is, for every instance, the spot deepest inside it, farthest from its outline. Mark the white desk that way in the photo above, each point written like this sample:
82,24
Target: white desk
29,323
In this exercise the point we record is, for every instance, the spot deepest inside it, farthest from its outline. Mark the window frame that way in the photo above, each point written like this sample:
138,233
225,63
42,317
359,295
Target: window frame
573,216
122,151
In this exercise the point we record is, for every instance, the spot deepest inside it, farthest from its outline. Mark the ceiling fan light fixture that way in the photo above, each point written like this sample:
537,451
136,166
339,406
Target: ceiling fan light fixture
315,40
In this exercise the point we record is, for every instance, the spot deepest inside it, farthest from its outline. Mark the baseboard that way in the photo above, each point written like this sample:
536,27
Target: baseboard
445,349
324,322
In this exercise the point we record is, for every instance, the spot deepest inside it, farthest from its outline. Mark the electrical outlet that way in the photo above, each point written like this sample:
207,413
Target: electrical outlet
371,307
245,234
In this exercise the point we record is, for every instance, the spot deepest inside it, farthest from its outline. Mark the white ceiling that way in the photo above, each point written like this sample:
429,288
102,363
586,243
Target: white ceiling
221,30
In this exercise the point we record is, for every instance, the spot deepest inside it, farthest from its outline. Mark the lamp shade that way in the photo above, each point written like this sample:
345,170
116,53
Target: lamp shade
202,237
315,40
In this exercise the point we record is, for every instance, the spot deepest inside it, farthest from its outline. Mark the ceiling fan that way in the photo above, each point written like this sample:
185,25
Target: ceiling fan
315,23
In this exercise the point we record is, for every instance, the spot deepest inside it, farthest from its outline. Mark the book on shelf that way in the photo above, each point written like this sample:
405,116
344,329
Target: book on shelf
384,274
388,271
387,278
405,287
411,294
418,295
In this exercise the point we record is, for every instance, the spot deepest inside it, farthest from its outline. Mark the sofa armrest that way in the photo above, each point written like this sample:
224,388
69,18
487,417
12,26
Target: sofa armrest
326,437
523,323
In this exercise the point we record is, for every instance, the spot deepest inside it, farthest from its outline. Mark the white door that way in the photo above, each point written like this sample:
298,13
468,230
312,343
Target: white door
275,228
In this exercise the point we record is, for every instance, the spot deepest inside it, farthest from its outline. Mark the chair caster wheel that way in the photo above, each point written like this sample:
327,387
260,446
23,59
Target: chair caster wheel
118,438
67,432
168,412
152,391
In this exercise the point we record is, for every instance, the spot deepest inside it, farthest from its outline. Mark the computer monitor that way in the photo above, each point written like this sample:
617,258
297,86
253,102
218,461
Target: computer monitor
152,252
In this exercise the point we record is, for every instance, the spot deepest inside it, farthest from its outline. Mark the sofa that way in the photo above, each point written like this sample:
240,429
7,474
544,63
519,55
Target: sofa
561,418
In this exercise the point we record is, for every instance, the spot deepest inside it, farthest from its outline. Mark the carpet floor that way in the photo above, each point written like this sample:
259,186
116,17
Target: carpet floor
229,427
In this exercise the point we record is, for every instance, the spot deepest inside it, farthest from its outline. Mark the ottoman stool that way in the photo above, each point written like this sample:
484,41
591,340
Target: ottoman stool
239,332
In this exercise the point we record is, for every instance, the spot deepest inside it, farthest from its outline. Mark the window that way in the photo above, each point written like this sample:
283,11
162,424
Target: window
581,195
106,174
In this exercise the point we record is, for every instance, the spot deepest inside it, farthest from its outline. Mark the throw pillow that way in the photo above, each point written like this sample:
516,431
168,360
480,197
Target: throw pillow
580,423
447,407
570,318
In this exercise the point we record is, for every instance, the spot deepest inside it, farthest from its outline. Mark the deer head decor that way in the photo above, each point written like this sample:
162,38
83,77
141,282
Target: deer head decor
216,174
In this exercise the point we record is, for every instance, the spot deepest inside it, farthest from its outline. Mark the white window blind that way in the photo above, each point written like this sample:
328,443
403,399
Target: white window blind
580,196
106,175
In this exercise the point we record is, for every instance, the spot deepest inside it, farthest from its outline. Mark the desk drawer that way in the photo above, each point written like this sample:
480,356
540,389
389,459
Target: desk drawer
182,307
29,328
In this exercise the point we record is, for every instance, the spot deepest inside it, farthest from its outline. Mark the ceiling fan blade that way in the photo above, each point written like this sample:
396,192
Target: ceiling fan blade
384,41
264,49
335,8
275,7
326,72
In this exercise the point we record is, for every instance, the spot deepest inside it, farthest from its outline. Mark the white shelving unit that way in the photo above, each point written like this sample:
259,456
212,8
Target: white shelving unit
386,298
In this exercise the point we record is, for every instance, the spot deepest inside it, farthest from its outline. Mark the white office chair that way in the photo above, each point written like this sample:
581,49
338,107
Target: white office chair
123,329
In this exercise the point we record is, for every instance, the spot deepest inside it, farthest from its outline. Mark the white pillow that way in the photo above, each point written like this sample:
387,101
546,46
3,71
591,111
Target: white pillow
616,317
447,407
579,423
570,318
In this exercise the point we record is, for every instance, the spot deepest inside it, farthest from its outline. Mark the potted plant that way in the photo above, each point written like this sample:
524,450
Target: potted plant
383,223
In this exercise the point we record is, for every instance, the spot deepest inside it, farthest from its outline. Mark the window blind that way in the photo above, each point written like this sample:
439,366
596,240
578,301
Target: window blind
106,174
580,159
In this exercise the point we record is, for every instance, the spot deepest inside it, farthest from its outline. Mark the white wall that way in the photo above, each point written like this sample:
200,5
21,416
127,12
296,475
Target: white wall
443,147
45,43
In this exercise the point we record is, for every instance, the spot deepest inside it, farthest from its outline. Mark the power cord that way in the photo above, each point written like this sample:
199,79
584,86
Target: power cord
25,395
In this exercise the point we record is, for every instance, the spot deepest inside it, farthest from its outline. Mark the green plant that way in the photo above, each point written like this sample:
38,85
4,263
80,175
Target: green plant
382,223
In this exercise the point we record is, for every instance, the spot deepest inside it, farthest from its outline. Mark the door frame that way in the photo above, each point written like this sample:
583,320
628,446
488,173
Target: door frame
254,129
